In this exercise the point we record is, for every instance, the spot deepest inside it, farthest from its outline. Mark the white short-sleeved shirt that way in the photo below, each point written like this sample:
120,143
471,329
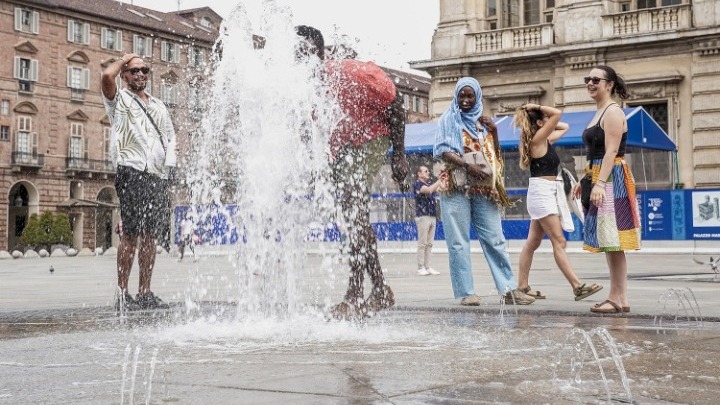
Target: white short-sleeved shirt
134,141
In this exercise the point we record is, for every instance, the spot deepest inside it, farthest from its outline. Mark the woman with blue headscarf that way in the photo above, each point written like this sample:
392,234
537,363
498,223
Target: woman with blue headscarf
461,131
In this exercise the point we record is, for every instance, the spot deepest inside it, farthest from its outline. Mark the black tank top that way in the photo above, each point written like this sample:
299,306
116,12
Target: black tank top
546,165
594,140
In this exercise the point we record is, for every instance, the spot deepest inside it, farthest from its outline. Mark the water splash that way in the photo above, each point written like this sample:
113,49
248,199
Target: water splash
603,348
686,308
260,157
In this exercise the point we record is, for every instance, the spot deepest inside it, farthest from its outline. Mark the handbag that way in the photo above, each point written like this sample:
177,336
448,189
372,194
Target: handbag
585,190
463,180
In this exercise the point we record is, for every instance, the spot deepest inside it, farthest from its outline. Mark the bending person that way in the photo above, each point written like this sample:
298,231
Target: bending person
540,127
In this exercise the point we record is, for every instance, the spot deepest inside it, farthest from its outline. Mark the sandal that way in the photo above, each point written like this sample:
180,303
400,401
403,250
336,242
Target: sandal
533,293
584,291
614,308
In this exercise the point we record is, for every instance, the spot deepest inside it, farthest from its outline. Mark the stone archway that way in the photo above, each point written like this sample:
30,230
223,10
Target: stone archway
106,218
23,201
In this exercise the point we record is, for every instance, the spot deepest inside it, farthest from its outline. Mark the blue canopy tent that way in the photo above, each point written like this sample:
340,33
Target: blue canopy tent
643,132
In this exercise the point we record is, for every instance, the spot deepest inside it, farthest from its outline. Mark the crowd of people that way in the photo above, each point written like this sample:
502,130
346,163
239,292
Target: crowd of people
469,184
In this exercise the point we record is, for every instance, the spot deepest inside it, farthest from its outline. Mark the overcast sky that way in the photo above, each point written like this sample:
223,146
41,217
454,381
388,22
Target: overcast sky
390,32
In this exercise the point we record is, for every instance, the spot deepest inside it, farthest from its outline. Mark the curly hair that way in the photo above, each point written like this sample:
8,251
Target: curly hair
526,122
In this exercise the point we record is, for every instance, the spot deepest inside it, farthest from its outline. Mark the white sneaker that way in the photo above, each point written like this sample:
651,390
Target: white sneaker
423,272
432,271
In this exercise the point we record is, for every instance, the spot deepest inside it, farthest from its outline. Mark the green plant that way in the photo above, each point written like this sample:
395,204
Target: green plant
46,230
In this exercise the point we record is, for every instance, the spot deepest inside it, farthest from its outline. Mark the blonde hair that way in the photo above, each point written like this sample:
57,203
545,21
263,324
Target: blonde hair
526,122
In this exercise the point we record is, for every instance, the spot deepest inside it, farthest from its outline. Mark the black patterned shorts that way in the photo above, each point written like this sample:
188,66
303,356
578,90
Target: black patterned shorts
144,202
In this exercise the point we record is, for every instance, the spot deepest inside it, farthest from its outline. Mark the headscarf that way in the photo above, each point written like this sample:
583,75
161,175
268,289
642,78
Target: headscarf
454,120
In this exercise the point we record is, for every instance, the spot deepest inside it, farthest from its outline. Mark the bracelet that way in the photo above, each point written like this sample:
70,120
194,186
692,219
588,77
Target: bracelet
601,181
466,165
597,185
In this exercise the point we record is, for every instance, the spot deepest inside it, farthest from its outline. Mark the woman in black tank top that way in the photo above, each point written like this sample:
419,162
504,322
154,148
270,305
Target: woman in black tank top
540,127
612,220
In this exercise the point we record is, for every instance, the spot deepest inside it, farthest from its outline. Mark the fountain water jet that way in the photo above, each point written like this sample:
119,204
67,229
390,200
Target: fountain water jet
580,341
260,159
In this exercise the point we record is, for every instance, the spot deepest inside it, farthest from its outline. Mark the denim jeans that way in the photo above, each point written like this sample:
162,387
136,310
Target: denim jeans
458,213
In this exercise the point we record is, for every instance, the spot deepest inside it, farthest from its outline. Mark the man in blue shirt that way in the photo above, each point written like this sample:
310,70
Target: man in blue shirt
425,219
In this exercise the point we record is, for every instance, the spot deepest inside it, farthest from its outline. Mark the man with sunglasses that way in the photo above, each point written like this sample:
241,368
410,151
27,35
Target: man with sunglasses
142,148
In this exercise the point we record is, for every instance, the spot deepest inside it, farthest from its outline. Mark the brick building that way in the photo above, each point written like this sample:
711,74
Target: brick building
54,132
539,50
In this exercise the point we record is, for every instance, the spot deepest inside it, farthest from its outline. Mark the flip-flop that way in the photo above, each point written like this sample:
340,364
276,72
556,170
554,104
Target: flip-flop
614,308
533,293
626,309
584,291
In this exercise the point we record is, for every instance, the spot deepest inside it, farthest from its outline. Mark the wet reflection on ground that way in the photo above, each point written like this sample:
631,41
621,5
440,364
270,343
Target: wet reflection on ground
93,356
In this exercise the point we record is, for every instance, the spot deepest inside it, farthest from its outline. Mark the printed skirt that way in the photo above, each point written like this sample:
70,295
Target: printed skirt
615,225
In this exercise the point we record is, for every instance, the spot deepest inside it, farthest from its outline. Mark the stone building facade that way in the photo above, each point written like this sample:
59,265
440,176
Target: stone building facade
539,50
54,132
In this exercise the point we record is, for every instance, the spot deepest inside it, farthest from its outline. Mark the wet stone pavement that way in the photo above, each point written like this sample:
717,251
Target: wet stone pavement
61,341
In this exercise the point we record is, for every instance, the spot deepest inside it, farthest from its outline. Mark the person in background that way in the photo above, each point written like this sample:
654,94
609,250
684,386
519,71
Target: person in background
460,132
143,149
612,219
425,219
187,237
547,205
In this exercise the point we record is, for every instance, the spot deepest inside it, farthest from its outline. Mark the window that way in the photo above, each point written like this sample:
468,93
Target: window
78,80
4,133
111,39
27,20
418,104
671,2
492,8
406,102
106,144
531,12
26,71
169,94
516,13
169,52
77,150
646,4
196,56
625,7
26,140
205,22
649,166
78,32
5,108
195,98
142,45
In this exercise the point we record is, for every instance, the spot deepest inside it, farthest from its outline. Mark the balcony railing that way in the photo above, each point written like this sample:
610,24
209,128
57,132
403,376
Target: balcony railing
89,165
515,38
26,159
647,21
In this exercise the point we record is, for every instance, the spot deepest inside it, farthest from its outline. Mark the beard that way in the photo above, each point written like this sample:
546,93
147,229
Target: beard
137,87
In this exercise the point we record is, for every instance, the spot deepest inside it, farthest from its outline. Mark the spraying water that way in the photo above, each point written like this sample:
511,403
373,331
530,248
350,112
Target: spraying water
261,156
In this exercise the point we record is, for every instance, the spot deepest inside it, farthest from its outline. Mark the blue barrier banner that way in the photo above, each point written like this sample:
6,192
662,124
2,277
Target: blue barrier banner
656,214
678,214
703,213
665,215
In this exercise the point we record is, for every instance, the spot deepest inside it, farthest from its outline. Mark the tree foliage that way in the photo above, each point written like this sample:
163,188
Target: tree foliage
47,230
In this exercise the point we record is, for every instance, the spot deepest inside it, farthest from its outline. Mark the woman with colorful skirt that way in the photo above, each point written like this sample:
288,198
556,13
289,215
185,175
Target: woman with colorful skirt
612,220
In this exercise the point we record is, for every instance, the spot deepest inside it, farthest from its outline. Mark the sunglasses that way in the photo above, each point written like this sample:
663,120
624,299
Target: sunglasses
594,79
133,71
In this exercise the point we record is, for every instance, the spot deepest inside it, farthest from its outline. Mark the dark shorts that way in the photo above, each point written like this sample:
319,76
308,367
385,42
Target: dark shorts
144,202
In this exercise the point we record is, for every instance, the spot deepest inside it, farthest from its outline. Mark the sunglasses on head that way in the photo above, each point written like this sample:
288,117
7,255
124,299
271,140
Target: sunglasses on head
133,71
594,79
